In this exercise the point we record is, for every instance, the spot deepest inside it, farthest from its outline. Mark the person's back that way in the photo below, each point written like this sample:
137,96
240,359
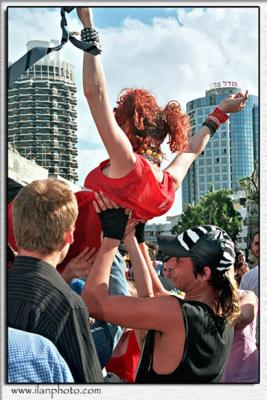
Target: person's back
34,359
242,365
39,300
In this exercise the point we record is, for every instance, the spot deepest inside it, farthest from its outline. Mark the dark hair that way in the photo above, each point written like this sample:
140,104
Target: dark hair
228,305
240,266
152,250
253,236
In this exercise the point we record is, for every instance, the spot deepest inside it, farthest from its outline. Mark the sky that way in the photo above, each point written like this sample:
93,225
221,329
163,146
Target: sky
176,53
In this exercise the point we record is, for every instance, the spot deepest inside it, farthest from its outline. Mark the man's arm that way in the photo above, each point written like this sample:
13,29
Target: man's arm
158,288
157,313
161,313
141,274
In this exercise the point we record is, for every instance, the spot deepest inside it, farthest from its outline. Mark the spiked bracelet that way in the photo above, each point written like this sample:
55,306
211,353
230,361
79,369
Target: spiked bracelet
90,35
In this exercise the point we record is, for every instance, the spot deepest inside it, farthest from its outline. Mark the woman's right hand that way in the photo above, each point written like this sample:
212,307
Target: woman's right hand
85,15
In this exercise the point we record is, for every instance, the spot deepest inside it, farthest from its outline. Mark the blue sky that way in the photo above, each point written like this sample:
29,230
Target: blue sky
175,53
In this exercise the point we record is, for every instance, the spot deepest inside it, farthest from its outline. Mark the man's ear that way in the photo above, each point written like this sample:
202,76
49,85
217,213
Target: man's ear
206,274
69,237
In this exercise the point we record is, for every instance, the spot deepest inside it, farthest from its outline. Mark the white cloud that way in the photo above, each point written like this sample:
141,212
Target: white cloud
172,61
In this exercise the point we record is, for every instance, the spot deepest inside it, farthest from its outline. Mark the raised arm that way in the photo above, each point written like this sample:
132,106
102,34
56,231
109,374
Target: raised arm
158,289
128,311
141,274
179,166
119,148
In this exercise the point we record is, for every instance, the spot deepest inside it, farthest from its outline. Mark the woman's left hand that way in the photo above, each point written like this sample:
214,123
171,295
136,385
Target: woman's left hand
234,103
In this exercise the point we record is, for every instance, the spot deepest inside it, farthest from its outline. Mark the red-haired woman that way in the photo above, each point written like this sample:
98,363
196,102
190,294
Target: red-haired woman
133,135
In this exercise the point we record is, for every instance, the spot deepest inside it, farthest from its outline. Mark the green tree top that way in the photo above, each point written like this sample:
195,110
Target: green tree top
215,208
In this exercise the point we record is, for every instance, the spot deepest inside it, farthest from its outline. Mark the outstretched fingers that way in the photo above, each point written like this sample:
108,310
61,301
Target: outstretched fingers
102,202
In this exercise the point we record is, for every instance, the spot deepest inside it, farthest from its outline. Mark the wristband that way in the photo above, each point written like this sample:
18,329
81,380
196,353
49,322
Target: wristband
211,125
113,222
90,35
220,115
140,232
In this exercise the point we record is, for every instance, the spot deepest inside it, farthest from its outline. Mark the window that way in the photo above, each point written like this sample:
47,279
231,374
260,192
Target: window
208,153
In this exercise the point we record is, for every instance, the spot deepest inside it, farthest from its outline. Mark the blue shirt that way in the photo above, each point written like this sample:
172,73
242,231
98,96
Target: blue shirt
34,358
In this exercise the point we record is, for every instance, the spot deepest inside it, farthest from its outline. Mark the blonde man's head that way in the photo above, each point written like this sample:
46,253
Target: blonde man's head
43,211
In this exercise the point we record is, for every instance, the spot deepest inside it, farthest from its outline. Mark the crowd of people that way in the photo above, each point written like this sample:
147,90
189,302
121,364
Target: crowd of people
87,299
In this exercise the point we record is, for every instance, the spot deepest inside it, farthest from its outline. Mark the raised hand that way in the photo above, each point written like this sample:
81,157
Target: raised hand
79,266
113,217
102,202
234,103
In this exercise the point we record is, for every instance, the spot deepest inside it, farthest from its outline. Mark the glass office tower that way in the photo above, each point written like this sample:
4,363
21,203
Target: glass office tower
230,153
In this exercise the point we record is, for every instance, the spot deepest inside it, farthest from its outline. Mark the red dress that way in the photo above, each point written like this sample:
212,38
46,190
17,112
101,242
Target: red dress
125,366
139,190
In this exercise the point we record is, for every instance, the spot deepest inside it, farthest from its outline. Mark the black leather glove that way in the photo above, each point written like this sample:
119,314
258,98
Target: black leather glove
113,222
140,232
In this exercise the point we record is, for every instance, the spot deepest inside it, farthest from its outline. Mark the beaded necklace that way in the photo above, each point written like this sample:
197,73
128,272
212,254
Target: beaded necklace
151,156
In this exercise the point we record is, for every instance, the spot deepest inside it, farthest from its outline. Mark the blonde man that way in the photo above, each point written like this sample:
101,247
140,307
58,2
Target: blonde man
39,299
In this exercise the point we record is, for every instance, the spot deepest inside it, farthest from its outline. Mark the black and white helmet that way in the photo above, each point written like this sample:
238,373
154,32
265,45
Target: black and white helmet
207,244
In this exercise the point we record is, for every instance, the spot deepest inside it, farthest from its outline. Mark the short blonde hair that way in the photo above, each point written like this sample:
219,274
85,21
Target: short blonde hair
42,213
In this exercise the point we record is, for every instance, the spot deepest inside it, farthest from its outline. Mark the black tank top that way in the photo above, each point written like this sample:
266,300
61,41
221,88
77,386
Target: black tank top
207,345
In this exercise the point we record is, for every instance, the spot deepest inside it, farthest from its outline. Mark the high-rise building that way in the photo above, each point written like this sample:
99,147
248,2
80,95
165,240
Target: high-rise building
230,154
42,114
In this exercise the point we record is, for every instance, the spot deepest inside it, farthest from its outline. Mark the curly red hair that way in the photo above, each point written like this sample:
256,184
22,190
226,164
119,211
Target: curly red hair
145,123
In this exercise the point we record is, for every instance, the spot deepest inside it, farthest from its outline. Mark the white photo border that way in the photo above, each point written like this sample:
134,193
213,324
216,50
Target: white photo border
183,392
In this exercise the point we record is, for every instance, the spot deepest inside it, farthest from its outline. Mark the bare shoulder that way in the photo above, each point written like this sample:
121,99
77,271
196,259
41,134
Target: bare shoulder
247,296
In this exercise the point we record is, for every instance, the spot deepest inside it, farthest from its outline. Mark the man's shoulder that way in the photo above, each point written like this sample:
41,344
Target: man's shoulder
43,282
250,280
250,274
